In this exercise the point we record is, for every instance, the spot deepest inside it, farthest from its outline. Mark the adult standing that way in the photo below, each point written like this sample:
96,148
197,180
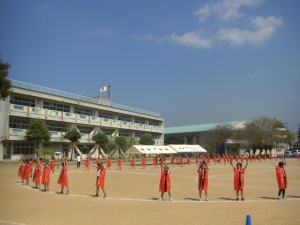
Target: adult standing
78,161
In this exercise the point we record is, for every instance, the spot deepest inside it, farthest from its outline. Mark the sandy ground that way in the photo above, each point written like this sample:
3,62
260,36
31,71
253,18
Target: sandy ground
133,194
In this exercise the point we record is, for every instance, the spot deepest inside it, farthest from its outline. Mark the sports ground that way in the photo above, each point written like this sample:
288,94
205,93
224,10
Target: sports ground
133,197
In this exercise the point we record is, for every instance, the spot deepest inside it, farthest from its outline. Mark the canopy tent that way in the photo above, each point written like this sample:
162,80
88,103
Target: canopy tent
188,148
165,149
151,149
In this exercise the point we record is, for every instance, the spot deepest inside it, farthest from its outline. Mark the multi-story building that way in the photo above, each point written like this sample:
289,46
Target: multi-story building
63,111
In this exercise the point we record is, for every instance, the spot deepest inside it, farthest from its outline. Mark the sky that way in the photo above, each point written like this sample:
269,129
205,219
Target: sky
192,61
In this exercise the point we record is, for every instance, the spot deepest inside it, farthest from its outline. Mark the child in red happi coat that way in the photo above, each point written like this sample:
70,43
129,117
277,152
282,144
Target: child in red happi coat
239,180
203,180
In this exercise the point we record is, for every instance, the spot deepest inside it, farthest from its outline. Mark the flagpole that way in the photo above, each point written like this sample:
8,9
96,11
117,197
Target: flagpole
109,92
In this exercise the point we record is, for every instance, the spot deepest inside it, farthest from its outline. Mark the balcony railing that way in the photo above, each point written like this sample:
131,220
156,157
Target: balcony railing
76,118
77,97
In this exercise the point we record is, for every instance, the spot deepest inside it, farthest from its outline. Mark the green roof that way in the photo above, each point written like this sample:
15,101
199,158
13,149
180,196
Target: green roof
198,128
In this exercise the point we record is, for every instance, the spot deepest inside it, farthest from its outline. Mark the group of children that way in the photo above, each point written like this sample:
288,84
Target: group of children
42,173
238,180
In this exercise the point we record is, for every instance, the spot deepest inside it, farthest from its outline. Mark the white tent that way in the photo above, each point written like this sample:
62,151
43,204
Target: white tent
188,148
151,149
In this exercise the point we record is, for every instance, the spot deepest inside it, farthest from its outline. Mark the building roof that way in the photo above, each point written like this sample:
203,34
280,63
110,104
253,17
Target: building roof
199,127
97,101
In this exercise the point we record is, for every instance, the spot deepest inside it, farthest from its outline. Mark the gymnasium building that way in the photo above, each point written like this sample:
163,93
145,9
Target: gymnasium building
196,134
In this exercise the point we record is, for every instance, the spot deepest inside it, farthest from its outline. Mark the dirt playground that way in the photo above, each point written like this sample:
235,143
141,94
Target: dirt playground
133,197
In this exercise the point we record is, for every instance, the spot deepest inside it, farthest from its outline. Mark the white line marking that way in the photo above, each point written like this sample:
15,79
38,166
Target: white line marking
154,200
12,223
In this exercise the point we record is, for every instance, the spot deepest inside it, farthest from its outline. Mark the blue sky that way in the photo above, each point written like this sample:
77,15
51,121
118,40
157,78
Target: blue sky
191,61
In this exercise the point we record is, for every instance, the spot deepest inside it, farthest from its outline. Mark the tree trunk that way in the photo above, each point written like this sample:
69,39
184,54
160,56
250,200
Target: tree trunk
72,152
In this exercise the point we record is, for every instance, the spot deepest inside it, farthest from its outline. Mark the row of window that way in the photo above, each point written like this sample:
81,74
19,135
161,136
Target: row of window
20,123
17,100
20,148
56,107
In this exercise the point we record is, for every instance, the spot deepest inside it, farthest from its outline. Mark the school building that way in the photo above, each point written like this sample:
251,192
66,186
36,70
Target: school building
63,111
196,135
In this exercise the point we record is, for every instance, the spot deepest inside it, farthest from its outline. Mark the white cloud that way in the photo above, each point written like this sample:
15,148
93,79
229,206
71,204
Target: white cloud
249,29
225,9
192,39
263,28
149,37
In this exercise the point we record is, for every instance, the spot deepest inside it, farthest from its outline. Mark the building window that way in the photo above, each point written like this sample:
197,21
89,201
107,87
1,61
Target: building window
124,133
124,118
18,123
106,115
16,100
56,106
85,149
47,145
85,130
58,127
22,148
83,111
107,131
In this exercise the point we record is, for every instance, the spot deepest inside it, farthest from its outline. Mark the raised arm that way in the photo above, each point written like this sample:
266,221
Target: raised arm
231,165
246,165
94,165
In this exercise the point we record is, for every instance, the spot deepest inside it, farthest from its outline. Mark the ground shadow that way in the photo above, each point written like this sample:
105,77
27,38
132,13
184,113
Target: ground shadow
228,199
192,199
154,199
293,196
269,198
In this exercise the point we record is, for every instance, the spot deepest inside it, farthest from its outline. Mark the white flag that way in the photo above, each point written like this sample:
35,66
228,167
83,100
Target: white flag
103,89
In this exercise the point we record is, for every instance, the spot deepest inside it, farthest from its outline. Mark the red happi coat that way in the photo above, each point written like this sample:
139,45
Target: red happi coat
52,164
31,165
181,160
108,163
101,177
214,159
282,183
133,161
46,175
202,179
172,160
26,172
154,161
63,178
165,182
37,174
188,160
86,163
236,181
162,161
21,170
144,160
